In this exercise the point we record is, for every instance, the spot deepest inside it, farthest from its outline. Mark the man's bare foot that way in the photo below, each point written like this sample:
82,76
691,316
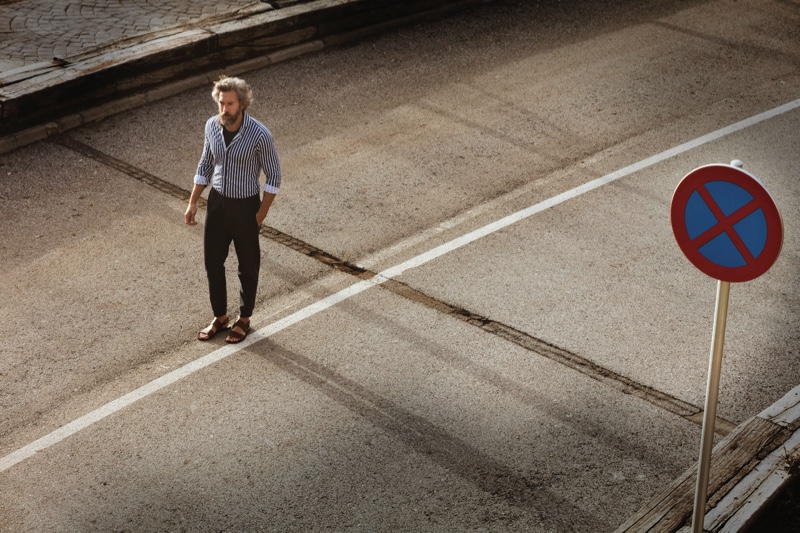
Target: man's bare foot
219,323
239,330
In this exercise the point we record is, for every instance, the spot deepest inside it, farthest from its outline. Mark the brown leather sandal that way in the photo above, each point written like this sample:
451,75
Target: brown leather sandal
208,333
234,336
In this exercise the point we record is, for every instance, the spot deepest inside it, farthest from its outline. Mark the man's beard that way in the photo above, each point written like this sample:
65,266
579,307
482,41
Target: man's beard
229,120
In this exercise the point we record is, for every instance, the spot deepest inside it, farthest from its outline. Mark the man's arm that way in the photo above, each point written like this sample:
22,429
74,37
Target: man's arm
266,202
191,210
270,164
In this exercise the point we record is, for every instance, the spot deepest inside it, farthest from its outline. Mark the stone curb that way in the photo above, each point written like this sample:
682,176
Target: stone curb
749,468
324,35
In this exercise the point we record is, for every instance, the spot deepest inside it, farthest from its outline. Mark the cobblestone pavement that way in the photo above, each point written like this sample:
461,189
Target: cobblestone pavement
41,30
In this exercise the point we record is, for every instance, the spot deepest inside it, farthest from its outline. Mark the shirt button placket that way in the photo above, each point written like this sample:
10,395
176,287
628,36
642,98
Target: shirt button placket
224,169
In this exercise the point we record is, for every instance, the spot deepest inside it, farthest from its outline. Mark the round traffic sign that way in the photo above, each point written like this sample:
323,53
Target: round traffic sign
726,223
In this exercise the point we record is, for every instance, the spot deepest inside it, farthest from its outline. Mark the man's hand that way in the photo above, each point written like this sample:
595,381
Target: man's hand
260,218
266,202
191,211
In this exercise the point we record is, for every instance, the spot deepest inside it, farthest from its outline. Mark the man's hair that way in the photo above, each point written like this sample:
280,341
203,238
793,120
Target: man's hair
243,90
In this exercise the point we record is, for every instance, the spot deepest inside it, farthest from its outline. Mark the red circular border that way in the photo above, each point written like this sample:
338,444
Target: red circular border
699,177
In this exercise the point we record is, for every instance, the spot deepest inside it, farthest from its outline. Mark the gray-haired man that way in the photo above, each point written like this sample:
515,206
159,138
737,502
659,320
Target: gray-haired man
237,149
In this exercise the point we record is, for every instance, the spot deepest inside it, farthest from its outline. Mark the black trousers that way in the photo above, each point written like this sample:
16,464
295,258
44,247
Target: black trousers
232,219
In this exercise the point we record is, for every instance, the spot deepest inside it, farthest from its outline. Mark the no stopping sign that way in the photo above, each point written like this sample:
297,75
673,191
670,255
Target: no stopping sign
726,223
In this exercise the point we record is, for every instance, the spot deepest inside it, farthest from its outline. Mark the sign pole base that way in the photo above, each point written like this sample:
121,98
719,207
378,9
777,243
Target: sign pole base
710,413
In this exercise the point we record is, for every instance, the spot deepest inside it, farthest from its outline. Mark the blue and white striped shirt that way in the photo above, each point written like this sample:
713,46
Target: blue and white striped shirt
234,170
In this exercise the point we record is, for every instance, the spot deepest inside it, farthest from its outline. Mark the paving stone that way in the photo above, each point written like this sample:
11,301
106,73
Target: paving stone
18,23
91,23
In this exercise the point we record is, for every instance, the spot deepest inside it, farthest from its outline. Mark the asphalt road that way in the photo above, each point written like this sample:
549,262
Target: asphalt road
544,375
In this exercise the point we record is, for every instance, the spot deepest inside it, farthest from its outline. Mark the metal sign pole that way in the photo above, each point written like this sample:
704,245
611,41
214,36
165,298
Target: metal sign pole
710,414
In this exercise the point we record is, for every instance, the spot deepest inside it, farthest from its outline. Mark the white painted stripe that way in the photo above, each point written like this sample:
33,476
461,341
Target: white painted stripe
112,407
582,189
168,379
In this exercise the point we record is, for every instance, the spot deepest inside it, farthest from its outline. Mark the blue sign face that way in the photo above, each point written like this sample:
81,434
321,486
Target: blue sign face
726,223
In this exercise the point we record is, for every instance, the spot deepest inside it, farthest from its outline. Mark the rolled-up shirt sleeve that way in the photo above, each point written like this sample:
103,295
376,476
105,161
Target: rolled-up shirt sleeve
270,163
205,169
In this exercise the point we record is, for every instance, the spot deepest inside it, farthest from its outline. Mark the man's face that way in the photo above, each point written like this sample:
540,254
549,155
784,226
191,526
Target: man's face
229,110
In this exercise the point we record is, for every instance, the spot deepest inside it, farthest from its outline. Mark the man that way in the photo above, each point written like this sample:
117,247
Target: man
237,148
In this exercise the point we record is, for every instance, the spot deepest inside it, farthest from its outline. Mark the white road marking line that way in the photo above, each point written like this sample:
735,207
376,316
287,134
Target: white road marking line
582,189
217,355
168,379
